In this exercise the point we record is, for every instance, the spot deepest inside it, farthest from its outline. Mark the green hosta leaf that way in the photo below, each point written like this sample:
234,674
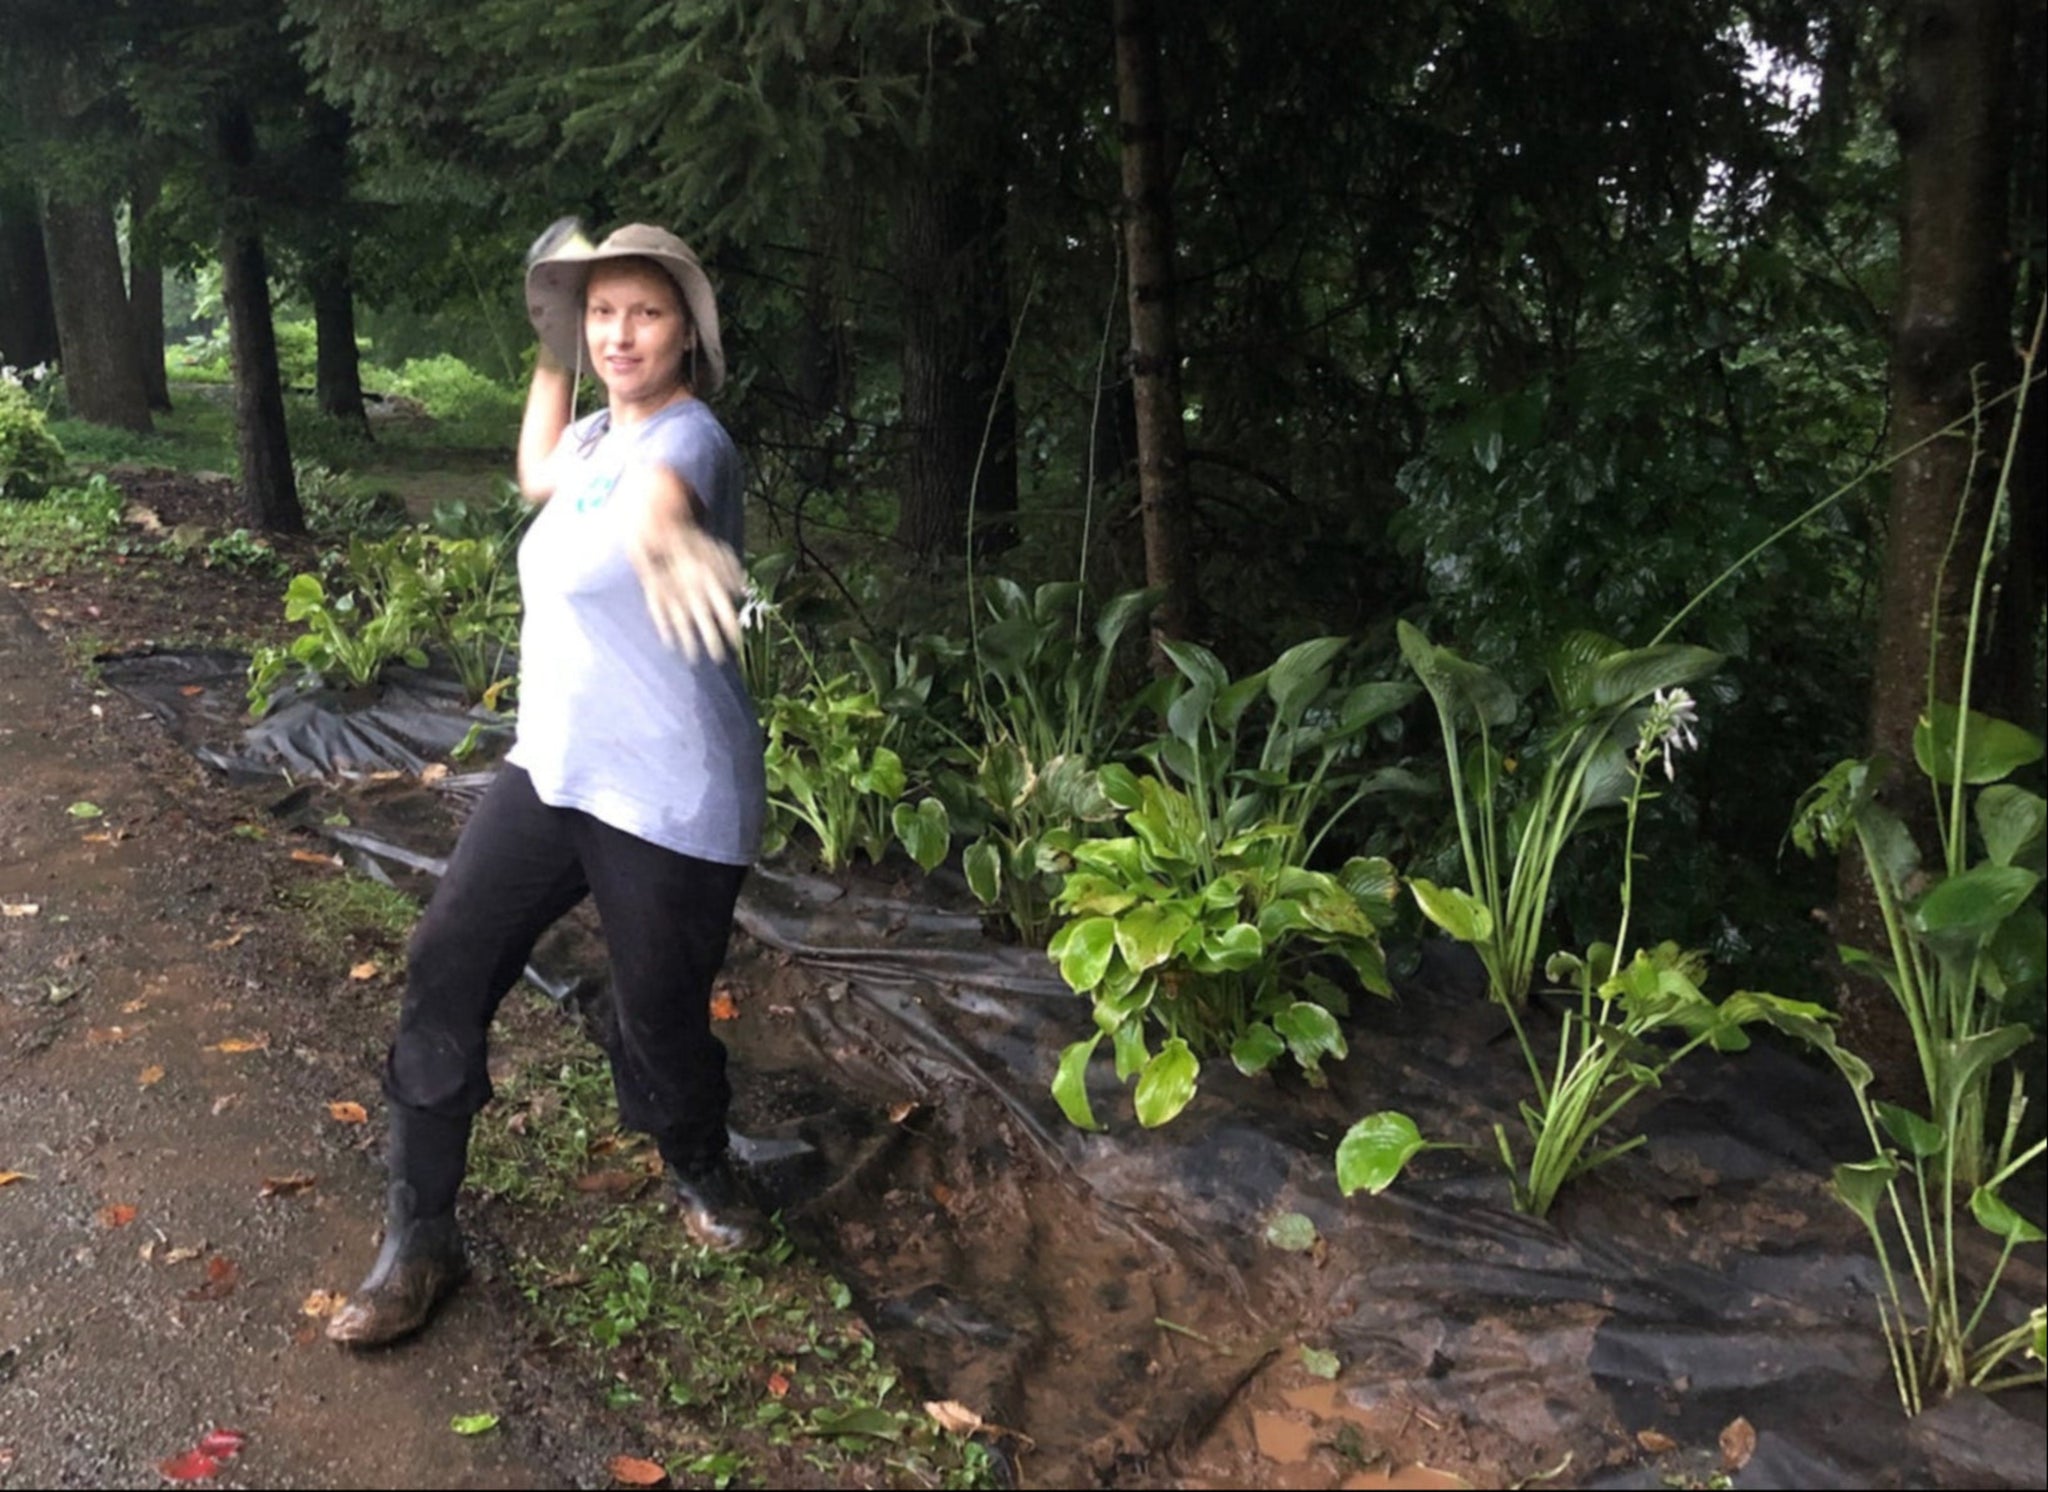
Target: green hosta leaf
1146,934
85,810
303,597
1609,776
1319,1364
1995,1213
473,1424
1370,702
1457,686
1231,703
1458,913
1198,665
983,863
2019,951
1311,1033
1236,947
1375,1151
1120,785
1167,1084
2010,819
1624,678
1085,950
1070,1084
1131,1054
1254,1051
1974,903
1123,610
1571,667
1862,1186
884,777
1984,747
864,1419
1292,1233
1300,674
924,830
1005,775
1959,1064
1918,1137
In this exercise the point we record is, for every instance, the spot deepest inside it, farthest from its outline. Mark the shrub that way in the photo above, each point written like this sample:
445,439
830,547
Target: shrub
30,458
455,393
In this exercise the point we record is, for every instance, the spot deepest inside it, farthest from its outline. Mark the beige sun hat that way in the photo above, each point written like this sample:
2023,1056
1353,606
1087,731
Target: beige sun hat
554,293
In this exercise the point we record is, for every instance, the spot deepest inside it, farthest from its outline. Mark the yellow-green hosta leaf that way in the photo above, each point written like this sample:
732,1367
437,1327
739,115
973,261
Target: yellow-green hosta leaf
1458,913
1375,1150
1070,1084
983,863
2010,819
1311,1034
1995,1213
1918,1137
1145,935
1254,1051
1978,747
1862,1186
1167,1084
925,831
1085,950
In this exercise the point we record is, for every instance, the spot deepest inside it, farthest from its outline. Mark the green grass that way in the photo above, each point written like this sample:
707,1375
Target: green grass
739,1368
54,532
344,915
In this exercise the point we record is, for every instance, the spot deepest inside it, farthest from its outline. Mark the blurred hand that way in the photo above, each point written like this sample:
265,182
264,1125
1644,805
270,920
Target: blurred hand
692,581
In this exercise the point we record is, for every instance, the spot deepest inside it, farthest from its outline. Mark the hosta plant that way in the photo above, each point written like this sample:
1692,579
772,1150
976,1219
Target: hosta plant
1191,941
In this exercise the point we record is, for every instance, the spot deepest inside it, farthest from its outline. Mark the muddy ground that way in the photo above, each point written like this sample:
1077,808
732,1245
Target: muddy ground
170,1044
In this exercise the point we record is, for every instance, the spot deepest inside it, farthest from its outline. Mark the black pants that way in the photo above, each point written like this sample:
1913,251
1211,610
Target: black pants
517,869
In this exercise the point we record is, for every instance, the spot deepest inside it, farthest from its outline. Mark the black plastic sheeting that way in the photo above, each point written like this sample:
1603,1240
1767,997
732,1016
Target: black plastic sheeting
1113,1295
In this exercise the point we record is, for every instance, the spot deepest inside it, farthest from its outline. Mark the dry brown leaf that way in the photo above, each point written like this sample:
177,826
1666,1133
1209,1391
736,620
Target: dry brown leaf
150,1076
143,517
116,1215
19,908
633,1471
314,857
724,1007
610,1183
898,1112
954,1417
434,772
183,1254
778,1384
136,1006
106,1035
286,1186
369,968
221,1275
192,691
1656,1442
229,941
348,1112
8,1178
260,1042
1738,1444
321,1304
225,1102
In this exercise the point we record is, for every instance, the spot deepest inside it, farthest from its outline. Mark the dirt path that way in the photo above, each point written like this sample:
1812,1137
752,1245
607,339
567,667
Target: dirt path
160,1062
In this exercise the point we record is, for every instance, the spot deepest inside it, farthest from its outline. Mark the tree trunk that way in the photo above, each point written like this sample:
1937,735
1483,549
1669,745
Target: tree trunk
270,495
28,318
955,337
98,350
1163,498
146,298
1953,316
337,369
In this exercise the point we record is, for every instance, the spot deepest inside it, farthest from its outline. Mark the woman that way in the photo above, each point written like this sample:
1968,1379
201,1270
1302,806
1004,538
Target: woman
635,777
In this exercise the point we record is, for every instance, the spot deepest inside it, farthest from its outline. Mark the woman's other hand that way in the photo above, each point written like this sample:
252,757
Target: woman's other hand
690,577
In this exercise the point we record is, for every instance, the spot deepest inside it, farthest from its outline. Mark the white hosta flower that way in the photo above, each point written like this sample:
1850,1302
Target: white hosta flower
755,608
1668,728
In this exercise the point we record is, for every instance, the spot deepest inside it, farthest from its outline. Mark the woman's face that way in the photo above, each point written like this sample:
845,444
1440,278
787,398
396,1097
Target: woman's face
638,333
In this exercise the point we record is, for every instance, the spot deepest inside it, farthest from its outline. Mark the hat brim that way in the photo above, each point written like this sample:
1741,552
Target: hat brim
554,302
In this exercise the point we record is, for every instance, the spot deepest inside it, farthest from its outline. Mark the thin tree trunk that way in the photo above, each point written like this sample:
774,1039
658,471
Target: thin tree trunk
28,317
1163,499
270,495
337,368
1953,318
98,350
146,298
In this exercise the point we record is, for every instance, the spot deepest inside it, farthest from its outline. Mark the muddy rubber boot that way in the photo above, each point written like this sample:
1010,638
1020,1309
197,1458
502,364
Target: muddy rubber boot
419,1266
719,1211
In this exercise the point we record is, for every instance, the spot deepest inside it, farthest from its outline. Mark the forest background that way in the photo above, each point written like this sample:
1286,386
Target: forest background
1502,317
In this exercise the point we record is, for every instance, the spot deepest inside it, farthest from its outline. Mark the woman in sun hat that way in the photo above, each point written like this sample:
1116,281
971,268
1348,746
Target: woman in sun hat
636,775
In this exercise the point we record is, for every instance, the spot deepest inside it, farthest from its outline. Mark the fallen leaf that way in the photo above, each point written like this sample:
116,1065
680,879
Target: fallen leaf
778,1384
183,1255
724,1007
193,691
135,1007
943,1195
348,1112
225,1102
632,1471
106,1035
954,1417
116,1215
221,1274
192,1466
434,772
286,1186
150,1076
84,810
473,1424
1738,1444
321,1304
8,1178
143,517
222,1444
229,941
314,857
1656,1442
367,969
610,1183
898,1112
100,838
19,908
260,1042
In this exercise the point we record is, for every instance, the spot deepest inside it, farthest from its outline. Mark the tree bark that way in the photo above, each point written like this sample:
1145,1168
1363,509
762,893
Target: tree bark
97,348
146,298
1163,500
337,367
1952,117
270,495
959,412
28,317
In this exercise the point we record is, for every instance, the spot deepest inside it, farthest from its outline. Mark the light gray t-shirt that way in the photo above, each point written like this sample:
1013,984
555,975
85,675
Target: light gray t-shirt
613,721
